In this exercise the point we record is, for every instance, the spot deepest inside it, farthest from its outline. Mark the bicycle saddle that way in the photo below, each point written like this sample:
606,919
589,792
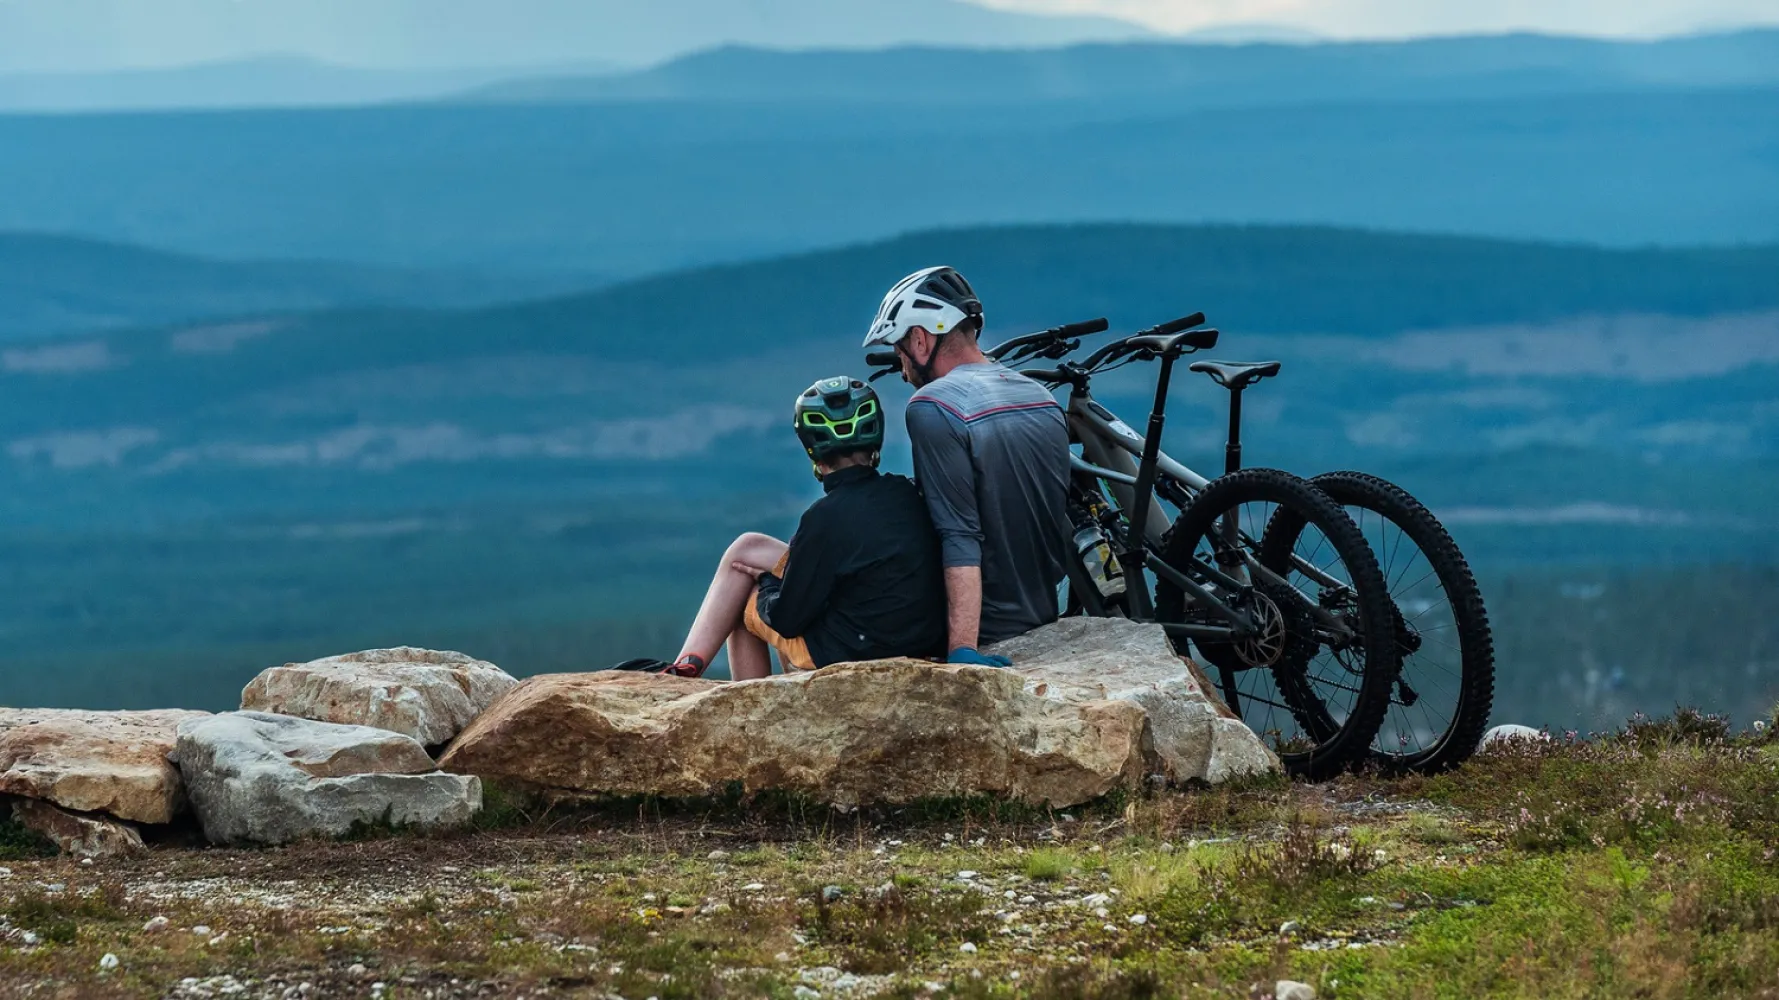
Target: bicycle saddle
1237,374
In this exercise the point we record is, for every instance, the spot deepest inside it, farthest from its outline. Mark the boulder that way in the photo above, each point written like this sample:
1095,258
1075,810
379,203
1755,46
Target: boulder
78,835
890,731
94,762
1509,733
1191,734
423,693
258,778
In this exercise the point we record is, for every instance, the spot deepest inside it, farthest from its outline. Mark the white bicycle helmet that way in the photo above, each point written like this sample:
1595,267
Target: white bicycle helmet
936,299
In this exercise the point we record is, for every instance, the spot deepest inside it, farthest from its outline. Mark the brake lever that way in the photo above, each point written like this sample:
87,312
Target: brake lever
881,372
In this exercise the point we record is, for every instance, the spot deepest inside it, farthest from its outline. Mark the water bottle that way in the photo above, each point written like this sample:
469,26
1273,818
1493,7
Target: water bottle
1102,565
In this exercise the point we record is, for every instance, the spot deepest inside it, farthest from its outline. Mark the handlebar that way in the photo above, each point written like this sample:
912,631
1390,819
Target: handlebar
1059,341
1050,337
1157,339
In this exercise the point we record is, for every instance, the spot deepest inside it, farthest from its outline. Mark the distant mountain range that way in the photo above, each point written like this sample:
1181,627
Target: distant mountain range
1152,76
271,82
38,36
56,284
629,188
1235,68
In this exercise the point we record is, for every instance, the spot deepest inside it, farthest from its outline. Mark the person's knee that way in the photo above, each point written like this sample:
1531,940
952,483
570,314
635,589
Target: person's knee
754,548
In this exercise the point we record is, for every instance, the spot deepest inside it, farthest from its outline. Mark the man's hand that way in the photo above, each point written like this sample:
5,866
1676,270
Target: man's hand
753,571
975,658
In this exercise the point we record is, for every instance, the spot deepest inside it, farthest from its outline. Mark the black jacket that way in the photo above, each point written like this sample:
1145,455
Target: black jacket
863,581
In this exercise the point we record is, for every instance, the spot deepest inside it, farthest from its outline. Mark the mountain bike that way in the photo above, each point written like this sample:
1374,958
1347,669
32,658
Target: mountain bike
1313,613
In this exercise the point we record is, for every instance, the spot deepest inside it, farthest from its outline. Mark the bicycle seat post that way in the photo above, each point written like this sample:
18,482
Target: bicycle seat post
1136,547
1232,449
1236,377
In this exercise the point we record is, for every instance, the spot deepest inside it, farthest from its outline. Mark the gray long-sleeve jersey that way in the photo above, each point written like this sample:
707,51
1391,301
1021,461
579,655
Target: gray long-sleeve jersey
991,452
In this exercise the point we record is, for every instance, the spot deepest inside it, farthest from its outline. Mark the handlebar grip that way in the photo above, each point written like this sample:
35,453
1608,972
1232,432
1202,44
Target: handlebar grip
1171,328
1086,329
883,359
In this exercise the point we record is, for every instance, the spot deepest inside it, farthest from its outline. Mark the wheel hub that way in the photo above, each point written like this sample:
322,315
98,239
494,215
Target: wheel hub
1267,643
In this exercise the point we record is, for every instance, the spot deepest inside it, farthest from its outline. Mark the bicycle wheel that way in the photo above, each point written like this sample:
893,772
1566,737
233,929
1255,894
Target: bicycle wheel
1315,679
1440,705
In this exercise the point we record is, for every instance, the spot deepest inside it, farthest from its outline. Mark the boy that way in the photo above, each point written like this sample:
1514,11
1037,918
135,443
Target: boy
861,578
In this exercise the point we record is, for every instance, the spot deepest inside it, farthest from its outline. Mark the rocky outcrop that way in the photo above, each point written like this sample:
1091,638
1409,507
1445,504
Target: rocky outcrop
882,732
94,762
1190,734
258,778
75,834
423,693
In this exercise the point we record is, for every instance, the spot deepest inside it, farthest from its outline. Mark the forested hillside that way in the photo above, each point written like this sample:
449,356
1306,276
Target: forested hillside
545,484
61,284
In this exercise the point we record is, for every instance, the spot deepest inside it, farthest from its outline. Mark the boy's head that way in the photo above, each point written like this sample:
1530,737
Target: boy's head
840,422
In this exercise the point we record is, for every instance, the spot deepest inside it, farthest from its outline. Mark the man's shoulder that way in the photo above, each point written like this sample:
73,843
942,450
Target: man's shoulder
971,392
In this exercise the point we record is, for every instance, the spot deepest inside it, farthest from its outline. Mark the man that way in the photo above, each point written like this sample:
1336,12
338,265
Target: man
860,580
991,454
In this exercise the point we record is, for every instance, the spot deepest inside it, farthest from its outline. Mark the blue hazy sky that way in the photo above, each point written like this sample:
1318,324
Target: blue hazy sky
1398,18
38,36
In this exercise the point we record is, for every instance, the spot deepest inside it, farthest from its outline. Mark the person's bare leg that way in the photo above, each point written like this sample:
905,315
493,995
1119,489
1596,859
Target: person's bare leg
749,657
730,590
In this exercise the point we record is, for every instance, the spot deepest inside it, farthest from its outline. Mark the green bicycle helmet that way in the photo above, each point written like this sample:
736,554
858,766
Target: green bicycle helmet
839,416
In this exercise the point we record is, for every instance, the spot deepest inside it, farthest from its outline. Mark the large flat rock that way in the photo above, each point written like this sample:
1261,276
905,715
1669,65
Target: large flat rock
424,693
78,835
94,762
890,731
258,778
1191,734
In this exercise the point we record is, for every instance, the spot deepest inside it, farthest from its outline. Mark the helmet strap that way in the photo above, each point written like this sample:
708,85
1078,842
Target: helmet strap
924,370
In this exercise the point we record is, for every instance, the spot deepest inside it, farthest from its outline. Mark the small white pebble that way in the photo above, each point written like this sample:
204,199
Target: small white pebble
5,872
648,897
966,875
1111,927
86,862
967,948
155,926
379,987
218,939
783,956
716,855
356,971
1139,919
1027,900
932,987
1014,975
753,887
805,993
201,930
108,963
1100,912
949,837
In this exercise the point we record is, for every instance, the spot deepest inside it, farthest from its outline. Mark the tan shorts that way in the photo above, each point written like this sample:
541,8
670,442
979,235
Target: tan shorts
792,653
